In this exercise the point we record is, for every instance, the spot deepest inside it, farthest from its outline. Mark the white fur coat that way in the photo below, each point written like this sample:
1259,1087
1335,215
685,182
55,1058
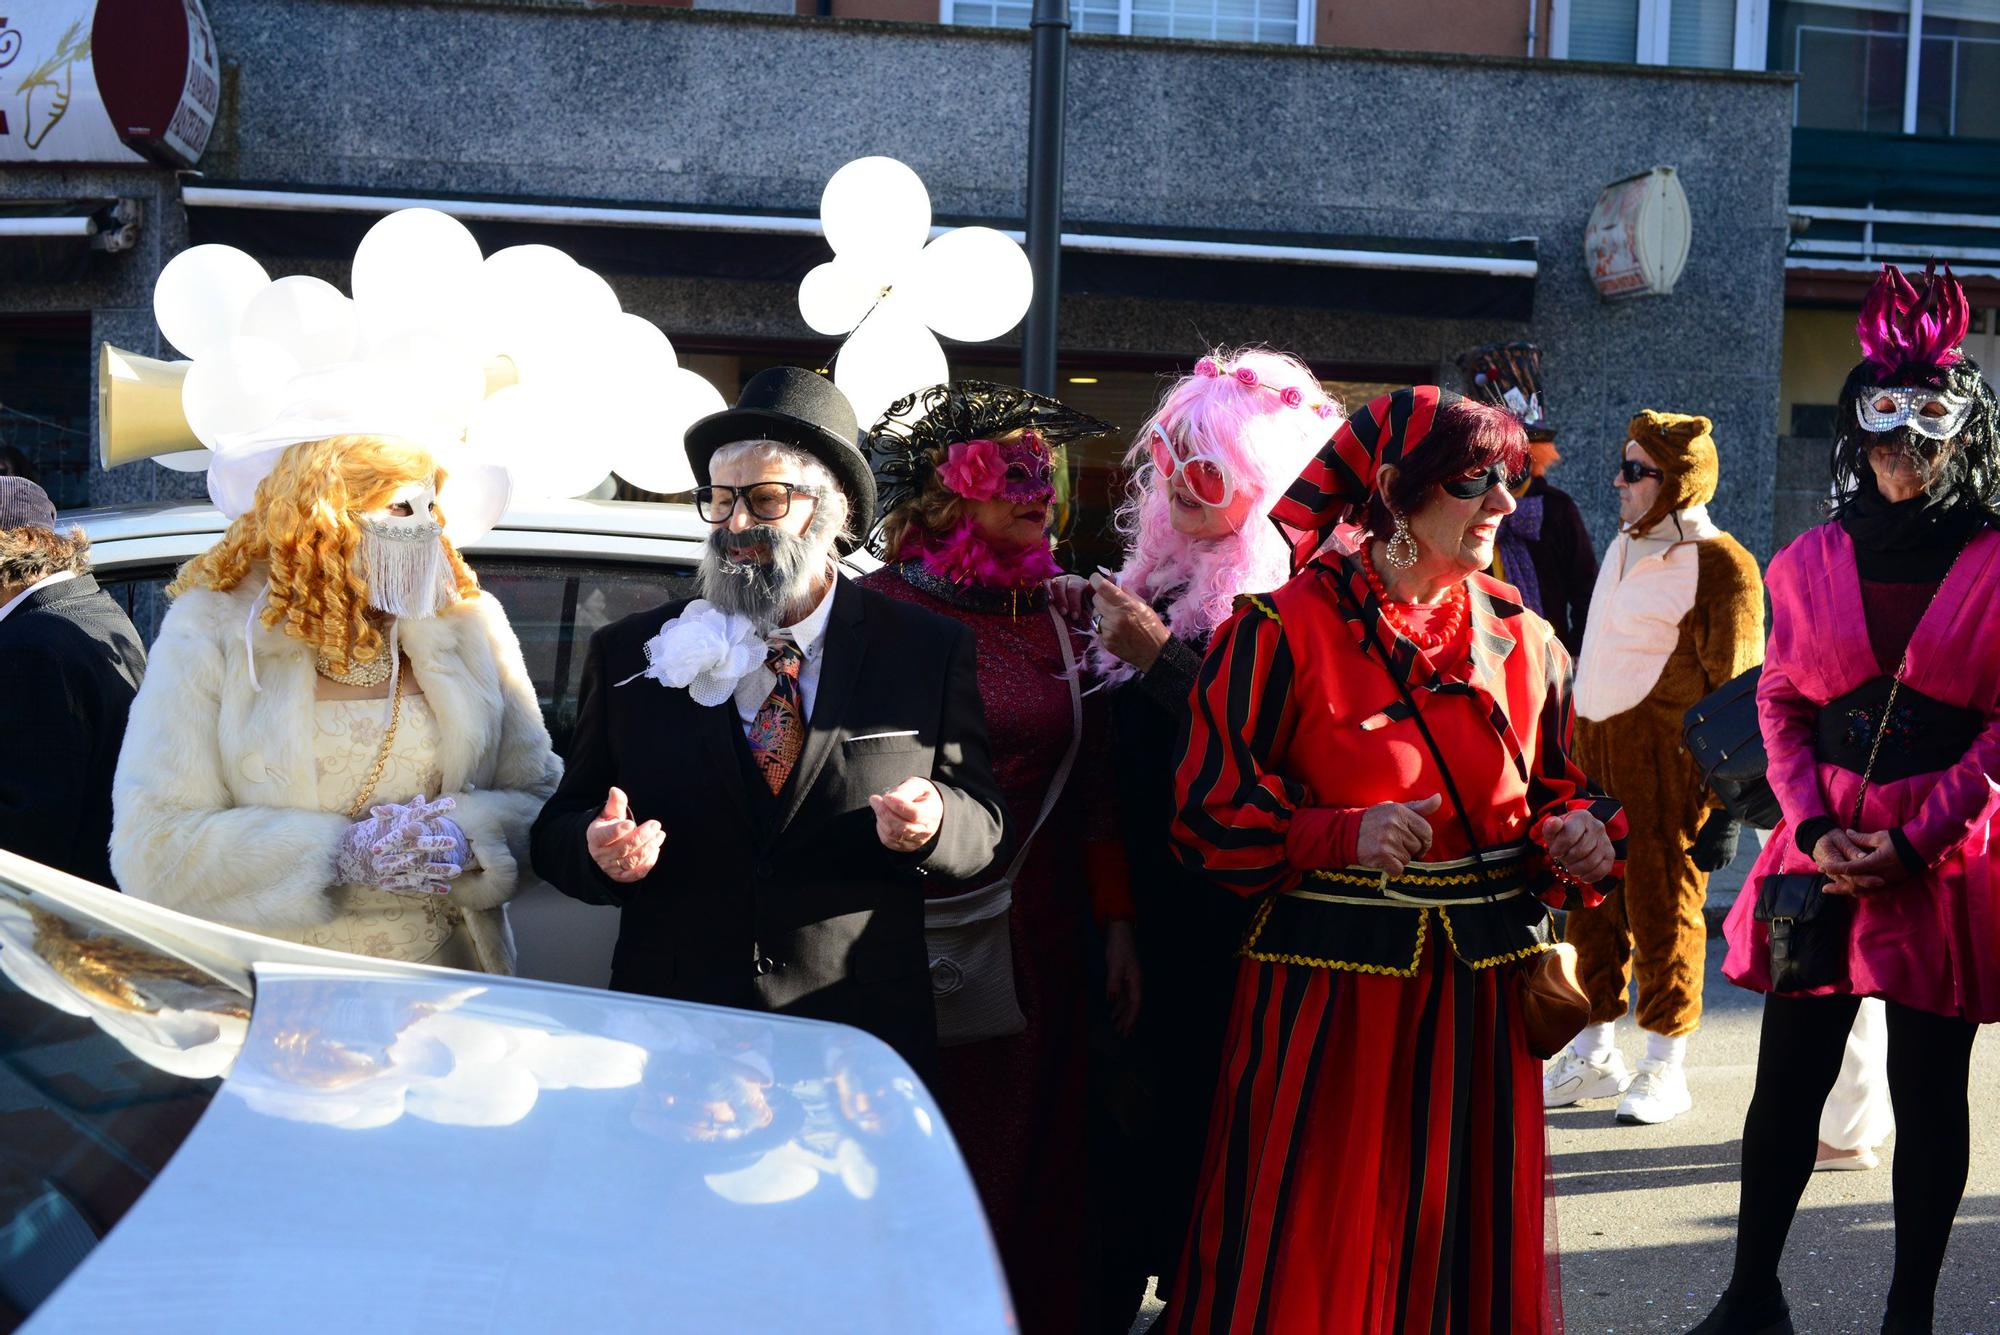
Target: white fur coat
215,806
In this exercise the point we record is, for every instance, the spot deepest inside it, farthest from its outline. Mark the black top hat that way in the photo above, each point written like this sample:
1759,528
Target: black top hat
794,406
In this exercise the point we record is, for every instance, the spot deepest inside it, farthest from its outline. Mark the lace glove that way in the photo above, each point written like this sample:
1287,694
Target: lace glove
1715,846
407,856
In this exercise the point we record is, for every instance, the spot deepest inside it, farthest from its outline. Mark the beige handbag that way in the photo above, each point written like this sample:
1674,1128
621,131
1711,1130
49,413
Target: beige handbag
969,936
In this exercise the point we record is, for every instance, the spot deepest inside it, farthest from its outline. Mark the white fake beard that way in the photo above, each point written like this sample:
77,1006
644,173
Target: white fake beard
405,569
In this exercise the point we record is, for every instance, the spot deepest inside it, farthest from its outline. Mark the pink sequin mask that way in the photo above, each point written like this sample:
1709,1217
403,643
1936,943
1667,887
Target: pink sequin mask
1021,472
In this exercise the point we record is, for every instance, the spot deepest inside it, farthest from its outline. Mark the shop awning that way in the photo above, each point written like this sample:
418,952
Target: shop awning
51,240
1396,276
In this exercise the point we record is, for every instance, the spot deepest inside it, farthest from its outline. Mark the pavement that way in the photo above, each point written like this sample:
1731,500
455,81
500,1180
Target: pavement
1645,1215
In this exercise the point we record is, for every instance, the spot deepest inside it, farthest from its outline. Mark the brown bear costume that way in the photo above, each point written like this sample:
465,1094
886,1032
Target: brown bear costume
1678,610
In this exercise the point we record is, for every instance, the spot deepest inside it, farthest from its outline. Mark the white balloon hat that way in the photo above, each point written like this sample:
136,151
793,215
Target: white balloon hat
516,369
891,294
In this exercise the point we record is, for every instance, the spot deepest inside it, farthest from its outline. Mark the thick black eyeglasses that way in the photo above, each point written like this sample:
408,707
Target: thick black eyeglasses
1632,470
766,500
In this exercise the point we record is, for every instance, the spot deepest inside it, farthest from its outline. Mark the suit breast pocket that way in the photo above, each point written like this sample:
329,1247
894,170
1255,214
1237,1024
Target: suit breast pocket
871,745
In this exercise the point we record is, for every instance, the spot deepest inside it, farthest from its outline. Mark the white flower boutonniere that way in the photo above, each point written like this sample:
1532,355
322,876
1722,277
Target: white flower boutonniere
706,650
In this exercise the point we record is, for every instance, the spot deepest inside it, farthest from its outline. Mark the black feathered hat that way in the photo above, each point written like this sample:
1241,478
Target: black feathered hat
905,446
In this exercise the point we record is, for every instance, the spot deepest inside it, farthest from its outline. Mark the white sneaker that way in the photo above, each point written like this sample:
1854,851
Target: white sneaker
1573,1077
1659,1093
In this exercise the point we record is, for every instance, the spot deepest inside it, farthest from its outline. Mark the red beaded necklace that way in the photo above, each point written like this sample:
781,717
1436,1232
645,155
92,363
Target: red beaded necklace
1444,629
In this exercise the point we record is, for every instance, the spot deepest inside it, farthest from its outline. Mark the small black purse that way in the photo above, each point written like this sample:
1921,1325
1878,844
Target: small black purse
1807,929
1722,734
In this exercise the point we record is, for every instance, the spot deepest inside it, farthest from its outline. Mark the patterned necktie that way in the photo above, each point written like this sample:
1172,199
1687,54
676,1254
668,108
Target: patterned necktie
778,732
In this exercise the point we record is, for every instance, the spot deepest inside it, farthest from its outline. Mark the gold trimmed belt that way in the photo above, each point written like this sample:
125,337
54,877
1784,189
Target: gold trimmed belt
1329,929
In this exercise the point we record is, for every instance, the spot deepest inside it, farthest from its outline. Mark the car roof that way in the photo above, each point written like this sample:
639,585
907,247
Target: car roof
637,519
536,1156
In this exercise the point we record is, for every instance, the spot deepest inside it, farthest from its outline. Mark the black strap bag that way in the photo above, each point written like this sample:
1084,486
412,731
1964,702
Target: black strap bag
1722,735
1807,929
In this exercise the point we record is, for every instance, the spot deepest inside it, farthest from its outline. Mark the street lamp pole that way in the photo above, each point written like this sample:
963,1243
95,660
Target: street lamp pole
1046,78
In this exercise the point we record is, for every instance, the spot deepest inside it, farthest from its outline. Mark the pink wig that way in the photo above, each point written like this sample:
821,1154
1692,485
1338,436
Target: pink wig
1261,413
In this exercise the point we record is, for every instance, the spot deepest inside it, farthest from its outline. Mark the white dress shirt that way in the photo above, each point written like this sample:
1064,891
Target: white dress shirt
809,634
61,576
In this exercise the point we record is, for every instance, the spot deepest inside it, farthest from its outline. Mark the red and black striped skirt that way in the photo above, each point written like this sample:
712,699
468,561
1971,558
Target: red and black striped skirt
1378,1164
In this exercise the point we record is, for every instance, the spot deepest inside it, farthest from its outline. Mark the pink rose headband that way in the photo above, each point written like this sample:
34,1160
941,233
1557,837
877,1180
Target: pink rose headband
1290,395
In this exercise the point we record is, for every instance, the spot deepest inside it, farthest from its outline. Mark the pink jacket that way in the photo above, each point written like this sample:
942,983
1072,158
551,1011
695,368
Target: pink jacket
1932,942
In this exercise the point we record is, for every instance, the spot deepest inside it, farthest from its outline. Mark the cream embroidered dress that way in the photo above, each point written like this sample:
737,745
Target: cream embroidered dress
347,736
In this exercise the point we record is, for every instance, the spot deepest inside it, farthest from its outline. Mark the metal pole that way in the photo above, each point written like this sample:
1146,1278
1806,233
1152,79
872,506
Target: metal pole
1050,25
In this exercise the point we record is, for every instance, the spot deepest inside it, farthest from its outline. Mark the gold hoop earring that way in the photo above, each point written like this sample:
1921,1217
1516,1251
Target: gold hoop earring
1402,545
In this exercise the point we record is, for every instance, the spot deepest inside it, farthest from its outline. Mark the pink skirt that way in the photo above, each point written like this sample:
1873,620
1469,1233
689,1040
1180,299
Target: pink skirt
1931,942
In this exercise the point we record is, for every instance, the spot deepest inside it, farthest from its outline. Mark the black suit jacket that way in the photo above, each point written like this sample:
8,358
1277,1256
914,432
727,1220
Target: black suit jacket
786,903
70,663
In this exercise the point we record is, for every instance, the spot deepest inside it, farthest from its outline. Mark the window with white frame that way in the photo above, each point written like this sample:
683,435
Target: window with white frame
1286,22
1892,66
1714,34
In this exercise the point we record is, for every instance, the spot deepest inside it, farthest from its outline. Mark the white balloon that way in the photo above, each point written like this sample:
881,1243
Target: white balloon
837,296
200,296
185,461
237,386
972,283
358,391
656,458
633,349
307,317
415,267
890,355
594,297
541,442
875,210
436,369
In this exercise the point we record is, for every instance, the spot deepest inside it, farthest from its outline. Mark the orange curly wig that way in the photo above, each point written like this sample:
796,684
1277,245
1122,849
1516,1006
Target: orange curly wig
303,528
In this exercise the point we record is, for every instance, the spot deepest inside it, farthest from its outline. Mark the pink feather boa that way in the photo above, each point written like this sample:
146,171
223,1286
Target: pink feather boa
963,556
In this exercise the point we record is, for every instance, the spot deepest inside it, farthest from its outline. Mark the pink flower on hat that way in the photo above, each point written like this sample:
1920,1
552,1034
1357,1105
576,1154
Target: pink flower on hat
1246,377
1207,366
974,469
1292,396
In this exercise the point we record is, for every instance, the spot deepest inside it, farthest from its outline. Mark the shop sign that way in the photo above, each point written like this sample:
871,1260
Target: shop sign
1637,242
111,81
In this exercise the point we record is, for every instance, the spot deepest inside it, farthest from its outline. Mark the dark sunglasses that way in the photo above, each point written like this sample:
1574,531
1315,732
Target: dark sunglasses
1478,484
765,500
1632,470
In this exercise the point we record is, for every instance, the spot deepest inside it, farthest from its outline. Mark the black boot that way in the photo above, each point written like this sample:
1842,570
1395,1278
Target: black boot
1737,1314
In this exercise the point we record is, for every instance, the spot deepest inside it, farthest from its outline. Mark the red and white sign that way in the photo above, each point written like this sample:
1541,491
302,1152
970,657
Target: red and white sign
1637,242
120,81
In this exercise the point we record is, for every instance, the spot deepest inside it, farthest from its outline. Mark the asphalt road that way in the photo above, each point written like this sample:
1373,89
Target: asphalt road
1646,1214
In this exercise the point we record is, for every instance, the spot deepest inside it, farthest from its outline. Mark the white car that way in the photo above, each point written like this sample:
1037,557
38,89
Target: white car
205,1130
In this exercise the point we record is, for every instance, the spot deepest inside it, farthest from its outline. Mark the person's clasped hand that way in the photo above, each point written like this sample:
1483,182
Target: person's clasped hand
623,849
908,816
1578,843
1395,834
402,848
1856,863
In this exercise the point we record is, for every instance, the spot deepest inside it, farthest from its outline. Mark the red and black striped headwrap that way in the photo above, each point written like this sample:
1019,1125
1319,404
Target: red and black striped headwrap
1341,477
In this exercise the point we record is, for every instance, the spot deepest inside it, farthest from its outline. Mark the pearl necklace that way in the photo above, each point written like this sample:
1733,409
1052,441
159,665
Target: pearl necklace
1444,630
372,673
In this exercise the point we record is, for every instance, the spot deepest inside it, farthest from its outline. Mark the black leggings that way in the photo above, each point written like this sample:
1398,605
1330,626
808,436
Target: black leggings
1798,1059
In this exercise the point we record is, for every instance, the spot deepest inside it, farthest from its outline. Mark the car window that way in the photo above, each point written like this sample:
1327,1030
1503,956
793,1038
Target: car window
86,1121
554,605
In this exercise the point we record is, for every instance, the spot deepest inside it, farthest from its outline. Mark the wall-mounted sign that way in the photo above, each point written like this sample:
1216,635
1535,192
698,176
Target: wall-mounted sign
106,81
1637,241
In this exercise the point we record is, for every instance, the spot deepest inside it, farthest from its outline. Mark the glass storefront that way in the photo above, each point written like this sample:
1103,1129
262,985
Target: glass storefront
45,389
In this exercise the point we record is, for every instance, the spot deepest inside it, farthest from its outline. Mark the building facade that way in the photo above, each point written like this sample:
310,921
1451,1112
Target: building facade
1376,212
